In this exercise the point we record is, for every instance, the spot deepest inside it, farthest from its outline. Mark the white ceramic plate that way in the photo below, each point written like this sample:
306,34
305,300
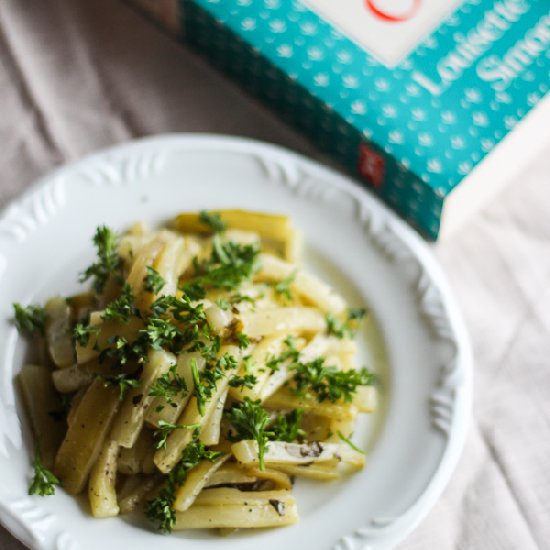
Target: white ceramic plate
414,339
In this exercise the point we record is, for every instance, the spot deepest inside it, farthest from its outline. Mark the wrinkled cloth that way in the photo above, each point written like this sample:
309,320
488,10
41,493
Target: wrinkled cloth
77,76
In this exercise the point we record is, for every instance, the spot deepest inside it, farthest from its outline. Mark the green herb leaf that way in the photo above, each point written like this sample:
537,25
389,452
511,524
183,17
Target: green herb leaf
229,265
287,427
160,510
153,282
283,287
194,291
250,420
109,263
122,308
246,381
199,390
222,303
335,327
239,298
291,354
212,220
166,428
206,381
327,382
243,340
168,385
122,381
161,333
345,329
82,333
350,442
43,480
30,320
356,313
119,352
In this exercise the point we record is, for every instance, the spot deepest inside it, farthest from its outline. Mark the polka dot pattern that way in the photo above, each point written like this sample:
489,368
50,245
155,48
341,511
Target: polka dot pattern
438,138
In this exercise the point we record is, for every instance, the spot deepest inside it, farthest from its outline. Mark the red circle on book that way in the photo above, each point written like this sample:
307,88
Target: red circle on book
371,5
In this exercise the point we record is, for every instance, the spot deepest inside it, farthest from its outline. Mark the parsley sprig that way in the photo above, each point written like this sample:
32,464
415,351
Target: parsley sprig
122,381
161,332
245,381
212,220
121,352
153,281
123,308
328,382
345,329
291,354
29,320
169,385
109,262
248,379
43,480
166,428
282,288
287,427
160,510
206,381
251,421
349,442
82,333
229,265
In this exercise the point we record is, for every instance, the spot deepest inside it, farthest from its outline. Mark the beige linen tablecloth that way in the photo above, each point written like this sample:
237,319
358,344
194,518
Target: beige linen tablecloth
76,76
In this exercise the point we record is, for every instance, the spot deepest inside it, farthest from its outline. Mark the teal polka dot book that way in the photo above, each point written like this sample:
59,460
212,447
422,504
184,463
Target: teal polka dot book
431,104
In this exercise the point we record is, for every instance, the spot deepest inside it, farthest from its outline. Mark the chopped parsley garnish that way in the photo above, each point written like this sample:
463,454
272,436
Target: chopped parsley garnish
345,329
191,318
122,308
166,428
287,427
206,381
356,313
153,281
222,303
160,510
291,354
168,385
248,380
119,353
30,320
121,381
194,291
161,333
283,287
212,220
198,391
239,298
243,340
245,381
109,263
250,420
328,382
229,265
43,480
335,327
82,333
348,441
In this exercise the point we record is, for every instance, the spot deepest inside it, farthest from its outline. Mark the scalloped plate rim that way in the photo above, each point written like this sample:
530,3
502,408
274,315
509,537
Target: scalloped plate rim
405,234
